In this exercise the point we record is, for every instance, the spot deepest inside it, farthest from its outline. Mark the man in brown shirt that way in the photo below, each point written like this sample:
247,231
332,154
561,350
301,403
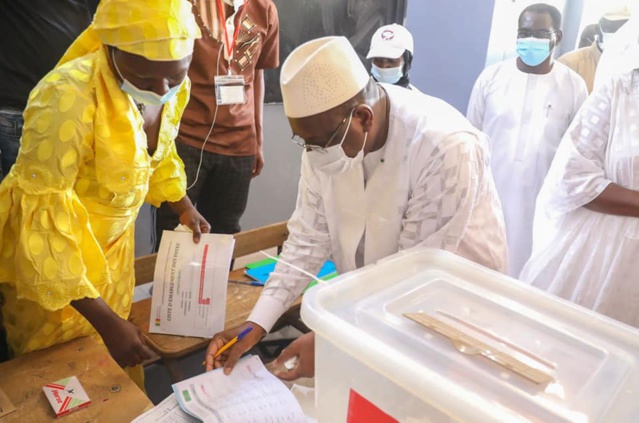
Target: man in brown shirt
219,170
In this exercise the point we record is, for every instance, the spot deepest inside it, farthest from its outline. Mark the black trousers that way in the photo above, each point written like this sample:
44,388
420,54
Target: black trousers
220,193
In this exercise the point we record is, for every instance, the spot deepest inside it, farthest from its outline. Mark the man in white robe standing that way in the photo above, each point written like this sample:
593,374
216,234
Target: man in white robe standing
586,236
525,105
384,169
621,50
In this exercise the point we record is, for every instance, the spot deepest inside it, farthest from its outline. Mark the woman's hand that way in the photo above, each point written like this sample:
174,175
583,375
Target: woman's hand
191,218
122,338
125,343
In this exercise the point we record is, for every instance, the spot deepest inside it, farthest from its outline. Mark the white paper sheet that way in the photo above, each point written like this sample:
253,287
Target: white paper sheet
190,280
168,411
305,396
249,394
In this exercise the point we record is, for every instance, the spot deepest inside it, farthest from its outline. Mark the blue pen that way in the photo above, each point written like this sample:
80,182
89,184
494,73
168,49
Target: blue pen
249,283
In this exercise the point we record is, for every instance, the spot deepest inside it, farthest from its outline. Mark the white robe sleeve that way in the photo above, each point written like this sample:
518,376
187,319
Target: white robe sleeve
477,104
307,247
445,193
576,176
581,94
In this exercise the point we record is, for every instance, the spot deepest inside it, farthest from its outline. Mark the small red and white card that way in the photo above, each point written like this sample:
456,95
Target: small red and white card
66,395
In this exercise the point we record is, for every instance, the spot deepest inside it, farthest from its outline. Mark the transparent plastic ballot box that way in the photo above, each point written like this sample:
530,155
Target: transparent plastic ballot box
426,336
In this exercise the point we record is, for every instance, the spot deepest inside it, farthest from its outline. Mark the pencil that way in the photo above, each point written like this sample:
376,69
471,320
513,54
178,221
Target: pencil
231,342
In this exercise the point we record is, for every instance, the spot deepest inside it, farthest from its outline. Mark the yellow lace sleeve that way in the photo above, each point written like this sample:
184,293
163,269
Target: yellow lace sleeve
46,239
168,181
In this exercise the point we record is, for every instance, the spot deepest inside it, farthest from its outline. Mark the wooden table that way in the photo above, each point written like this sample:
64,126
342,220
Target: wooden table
240,300
114,397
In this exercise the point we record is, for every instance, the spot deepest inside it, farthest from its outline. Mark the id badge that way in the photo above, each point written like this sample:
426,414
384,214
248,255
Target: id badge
229,89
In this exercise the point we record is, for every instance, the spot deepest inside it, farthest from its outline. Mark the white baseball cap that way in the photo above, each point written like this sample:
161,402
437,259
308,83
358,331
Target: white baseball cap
319,75
390,41
617,13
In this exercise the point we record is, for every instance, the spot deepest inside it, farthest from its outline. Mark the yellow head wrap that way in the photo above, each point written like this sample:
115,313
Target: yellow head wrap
155,29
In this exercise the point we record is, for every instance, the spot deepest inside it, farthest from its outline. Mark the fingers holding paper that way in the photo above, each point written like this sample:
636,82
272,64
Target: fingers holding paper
190,217
195,222
298,359
220,354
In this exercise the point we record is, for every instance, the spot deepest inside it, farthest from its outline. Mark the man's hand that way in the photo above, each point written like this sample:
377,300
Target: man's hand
303,348
192,219
259,162
230,357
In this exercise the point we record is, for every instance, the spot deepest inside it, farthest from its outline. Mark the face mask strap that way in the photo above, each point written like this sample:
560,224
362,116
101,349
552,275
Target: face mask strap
115,65
350,119
365,139
348,126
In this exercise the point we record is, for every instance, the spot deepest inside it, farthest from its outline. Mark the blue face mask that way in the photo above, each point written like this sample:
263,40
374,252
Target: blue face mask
387,75
533,51
149,98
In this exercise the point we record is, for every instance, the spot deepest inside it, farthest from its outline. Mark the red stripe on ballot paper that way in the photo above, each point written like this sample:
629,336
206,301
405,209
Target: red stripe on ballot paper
200,299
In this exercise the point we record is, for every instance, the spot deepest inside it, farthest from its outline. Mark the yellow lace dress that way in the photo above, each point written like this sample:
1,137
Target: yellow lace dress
68,206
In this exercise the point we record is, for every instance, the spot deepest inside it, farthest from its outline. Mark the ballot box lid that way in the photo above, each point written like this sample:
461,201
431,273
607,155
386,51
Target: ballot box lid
491,348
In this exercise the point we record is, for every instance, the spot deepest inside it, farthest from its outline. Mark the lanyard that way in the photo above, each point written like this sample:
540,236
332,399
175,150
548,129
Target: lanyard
229,45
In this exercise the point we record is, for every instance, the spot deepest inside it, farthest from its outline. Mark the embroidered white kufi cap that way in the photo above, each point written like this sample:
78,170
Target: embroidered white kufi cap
320,75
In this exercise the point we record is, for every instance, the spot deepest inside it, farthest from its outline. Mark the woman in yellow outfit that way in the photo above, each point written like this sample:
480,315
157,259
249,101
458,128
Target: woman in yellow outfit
98,141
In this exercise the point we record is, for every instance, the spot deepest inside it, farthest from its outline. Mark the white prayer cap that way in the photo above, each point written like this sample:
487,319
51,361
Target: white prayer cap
320,75
390,41
617,13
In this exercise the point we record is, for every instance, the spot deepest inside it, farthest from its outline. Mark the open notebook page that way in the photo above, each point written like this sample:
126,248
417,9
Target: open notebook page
249,394
168,411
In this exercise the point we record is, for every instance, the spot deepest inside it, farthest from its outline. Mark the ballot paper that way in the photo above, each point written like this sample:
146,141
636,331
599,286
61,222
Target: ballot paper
249,394
189,284
168,411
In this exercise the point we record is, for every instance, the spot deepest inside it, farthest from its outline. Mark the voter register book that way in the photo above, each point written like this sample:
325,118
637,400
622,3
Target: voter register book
66,395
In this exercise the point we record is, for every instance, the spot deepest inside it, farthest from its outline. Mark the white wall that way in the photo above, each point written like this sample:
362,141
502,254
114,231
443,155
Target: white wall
273,193
451,39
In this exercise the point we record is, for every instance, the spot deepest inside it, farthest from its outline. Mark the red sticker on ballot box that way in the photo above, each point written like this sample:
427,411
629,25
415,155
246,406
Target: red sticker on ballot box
361,410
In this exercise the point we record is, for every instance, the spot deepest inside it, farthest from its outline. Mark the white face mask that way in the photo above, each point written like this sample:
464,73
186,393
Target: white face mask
149,98
333,160
387,75
604,38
